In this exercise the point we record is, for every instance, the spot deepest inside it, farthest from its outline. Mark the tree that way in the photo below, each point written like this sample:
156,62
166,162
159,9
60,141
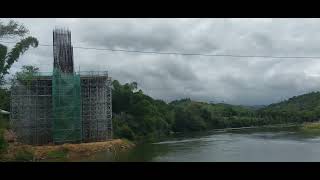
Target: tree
4,99
26,74
133,86
11,30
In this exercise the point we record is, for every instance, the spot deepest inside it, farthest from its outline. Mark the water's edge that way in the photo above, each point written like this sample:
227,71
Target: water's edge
244,145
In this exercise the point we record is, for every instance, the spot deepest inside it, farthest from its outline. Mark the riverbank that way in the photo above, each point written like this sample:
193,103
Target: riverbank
64,152
312,128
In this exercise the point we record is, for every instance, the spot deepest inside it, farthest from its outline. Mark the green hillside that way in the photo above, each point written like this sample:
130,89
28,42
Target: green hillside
140,117
303,108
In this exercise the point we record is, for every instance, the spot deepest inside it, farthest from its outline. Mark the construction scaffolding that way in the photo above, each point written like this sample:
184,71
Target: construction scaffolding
66,107
63,107
96,106
31,110
51,109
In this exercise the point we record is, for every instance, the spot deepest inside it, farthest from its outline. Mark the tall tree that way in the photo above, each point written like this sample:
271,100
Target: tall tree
12,30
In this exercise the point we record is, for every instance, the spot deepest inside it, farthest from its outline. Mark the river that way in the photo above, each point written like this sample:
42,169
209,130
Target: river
250,145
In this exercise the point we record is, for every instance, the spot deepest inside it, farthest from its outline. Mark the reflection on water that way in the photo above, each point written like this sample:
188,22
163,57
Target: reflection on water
141,153
285,144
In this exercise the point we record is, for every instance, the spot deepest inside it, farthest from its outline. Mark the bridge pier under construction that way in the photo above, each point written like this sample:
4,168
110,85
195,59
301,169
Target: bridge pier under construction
63,106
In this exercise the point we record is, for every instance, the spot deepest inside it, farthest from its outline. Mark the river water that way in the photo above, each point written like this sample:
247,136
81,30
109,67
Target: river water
257,145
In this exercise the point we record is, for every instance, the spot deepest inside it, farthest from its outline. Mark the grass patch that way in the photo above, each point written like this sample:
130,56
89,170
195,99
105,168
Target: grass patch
24,155
311,129
4,122
314,126
126,141
3,143
58,154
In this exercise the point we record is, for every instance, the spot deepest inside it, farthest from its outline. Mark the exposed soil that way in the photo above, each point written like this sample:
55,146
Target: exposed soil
70,151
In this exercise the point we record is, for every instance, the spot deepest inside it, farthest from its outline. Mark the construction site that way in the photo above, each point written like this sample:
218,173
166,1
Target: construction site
63,106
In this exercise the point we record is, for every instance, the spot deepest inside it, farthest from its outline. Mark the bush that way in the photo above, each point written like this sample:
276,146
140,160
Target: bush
24,154
58,154
3,143
5,99
126,132
4,122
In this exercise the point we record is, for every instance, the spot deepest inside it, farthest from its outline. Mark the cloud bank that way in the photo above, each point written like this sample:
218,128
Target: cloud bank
248,81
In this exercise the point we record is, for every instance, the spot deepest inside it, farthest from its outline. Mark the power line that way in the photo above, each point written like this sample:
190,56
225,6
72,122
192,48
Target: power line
185,54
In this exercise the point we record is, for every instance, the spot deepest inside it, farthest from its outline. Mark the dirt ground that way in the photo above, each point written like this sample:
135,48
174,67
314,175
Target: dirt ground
69,150
83,148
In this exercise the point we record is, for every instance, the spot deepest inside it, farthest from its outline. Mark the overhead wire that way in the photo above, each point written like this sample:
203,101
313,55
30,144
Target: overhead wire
185,54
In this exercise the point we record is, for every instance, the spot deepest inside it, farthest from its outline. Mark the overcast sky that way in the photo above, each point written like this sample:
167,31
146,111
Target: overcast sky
248,81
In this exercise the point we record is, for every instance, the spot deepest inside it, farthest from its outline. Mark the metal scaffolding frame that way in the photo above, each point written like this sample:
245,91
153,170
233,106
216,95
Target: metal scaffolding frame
96,106
31,110
47,109
109,108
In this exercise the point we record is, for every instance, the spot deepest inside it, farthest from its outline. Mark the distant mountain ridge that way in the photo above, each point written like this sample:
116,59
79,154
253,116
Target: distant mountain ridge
309,101
302,108
254,107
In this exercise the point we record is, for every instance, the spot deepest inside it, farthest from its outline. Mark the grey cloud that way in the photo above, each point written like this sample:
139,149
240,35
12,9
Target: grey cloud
169,77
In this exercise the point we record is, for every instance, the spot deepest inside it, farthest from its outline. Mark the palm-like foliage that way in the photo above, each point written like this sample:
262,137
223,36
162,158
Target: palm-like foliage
17,51
8,58
12,29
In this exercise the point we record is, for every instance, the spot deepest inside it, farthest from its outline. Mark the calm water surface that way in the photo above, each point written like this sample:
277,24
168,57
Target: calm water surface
285,144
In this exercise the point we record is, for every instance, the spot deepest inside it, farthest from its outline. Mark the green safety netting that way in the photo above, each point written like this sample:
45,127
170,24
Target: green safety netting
66,101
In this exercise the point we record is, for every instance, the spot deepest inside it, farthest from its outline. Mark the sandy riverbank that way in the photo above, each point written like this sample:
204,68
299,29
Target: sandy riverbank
21,152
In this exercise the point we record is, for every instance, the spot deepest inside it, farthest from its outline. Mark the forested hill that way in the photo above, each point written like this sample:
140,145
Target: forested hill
301,108
137,116
310,101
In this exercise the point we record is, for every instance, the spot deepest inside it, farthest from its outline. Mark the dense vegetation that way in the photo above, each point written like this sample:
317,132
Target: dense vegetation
139,117
303,108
